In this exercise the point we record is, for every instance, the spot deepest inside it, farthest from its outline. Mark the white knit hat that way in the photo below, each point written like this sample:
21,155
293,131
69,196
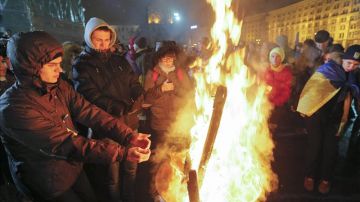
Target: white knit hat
278,51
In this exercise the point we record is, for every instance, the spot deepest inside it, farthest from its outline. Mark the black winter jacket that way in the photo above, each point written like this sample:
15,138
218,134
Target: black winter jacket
45,152
106,80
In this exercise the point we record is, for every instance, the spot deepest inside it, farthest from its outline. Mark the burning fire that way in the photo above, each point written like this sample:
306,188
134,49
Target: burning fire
239,167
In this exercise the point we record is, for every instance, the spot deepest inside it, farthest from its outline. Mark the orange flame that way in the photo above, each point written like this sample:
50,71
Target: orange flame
239,168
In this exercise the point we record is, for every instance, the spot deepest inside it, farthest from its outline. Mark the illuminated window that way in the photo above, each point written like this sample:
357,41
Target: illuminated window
154,18
355,9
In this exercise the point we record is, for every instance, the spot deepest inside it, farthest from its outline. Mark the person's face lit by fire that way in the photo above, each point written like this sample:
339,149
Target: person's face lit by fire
275,59
101,39
350,65
168,60
50,72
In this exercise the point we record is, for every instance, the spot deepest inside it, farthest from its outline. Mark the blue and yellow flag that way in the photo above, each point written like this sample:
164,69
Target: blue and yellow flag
317,92
323,85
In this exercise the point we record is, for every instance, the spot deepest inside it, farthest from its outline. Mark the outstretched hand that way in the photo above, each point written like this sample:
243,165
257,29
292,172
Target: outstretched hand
141,140
138,155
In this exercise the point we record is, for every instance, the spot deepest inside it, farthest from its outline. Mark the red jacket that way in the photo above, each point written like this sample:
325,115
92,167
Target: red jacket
281,85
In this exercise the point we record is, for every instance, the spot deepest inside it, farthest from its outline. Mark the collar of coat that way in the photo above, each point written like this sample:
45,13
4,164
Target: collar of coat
40,88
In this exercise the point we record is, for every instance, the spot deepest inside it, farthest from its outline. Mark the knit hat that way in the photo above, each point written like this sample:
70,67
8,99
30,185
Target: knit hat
353,53
278,51
322,36
141,42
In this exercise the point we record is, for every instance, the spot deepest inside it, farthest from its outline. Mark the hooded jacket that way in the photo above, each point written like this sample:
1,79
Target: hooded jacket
104,78
43,147
92,25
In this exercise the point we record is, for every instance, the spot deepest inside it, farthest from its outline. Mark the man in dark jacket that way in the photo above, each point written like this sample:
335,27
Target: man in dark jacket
37,114
107,80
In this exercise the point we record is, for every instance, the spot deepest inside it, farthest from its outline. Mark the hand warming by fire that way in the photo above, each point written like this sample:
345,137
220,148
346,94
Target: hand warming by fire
180,100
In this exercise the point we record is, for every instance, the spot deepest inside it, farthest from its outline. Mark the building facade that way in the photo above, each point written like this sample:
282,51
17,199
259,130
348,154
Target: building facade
255,28
64,19
302,20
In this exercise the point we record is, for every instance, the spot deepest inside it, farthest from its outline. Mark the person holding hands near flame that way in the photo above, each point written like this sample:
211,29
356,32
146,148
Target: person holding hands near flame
37,116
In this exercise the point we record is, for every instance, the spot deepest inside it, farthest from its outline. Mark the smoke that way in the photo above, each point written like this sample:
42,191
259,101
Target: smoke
170,157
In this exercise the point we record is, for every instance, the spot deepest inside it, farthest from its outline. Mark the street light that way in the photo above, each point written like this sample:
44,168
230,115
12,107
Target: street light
177,16
193,27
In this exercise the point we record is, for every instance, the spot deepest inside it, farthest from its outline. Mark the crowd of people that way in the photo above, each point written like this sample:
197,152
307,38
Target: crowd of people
76,119
316,83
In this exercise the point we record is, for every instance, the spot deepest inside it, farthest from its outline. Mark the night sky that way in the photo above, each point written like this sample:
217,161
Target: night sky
194,11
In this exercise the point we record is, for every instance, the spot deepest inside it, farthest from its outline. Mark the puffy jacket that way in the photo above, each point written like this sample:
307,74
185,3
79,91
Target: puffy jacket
45,151
104,78
281,85
107,82
164,105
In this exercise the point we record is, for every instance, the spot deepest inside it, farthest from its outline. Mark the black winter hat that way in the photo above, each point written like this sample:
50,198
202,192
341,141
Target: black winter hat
322,36
141,42
353,53
166,48
336,48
